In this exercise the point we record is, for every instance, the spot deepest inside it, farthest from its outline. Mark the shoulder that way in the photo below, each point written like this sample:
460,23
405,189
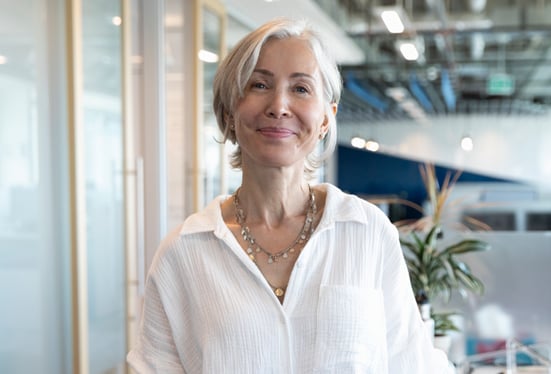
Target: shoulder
359,220
177,247
344,206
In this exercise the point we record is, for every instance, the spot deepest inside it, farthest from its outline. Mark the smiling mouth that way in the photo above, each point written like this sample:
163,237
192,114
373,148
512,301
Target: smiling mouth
277,132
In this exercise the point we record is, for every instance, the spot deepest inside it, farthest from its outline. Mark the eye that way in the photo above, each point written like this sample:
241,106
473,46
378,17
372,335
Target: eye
301,89
258,85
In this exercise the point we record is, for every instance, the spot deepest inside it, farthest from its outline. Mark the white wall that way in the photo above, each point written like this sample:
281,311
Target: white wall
515,271
516,301
511,147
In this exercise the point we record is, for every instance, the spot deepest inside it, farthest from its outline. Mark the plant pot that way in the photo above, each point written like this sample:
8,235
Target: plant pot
443,342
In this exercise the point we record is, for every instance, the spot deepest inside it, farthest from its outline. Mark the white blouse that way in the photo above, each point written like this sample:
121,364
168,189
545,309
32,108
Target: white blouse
348,308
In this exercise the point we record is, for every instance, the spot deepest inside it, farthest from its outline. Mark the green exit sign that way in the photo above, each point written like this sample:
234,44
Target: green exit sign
500,84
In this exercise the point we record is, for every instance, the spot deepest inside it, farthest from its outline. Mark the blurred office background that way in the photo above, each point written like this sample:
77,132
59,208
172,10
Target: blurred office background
107,141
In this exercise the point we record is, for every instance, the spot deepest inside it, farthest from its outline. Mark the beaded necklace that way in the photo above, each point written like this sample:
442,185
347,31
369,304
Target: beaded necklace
253,248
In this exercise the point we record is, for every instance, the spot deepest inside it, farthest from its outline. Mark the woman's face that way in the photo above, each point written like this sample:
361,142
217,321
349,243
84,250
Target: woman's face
280,117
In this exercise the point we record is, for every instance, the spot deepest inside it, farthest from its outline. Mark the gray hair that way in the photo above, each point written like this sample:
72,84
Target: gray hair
236,69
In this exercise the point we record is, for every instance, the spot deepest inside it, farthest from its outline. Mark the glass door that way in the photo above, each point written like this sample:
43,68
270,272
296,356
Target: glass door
102,129
210,26
210,53
35,313
61,188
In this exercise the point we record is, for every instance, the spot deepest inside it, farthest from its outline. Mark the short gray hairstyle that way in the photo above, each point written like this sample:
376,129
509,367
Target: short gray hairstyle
236,69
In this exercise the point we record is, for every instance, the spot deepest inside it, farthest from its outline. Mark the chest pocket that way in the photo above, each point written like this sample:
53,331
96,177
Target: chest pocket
350,331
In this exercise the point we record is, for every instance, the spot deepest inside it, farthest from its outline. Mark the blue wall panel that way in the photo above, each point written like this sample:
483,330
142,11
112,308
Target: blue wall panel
372,173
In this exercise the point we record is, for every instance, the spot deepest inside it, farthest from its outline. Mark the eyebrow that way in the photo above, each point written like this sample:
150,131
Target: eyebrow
294,75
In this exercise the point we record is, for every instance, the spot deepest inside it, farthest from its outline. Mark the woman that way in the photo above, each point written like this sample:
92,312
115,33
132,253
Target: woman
282,276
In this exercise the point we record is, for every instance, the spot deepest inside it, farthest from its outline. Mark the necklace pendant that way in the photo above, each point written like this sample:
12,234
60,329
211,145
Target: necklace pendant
279,292
270,260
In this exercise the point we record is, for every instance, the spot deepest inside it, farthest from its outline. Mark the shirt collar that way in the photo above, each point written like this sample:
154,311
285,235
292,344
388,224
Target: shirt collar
339,207
208,219
342,207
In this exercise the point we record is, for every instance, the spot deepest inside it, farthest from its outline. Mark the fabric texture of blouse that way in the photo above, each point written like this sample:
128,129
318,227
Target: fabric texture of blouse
348,308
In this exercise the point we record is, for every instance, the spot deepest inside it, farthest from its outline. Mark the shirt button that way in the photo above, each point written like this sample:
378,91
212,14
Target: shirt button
299,264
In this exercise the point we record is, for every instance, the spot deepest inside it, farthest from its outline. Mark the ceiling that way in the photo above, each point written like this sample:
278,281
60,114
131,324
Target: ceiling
476,56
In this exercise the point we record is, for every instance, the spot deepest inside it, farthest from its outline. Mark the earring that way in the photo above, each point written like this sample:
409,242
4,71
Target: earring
321,135
232,127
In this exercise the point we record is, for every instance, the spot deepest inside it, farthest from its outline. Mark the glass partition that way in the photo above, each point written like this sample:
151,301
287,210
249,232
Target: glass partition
34,243
36,273
103,164
210,53
195,160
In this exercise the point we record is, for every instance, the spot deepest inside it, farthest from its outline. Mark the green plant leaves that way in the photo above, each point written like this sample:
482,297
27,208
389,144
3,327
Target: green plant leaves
438,272
443,323
466,246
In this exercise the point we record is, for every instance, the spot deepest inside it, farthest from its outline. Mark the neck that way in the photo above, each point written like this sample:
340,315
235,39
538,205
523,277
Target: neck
253,247
270,202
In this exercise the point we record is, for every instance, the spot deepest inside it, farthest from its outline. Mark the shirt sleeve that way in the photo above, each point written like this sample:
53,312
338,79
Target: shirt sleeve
155,351
410,348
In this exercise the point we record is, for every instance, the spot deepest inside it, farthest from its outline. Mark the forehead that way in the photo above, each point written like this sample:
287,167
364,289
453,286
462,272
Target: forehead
291,53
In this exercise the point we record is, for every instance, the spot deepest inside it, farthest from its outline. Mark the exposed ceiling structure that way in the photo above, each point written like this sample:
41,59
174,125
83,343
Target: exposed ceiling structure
474,56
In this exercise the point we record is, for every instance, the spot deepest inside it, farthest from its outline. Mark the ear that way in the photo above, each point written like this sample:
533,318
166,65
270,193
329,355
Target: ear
334,108
229,121
325,124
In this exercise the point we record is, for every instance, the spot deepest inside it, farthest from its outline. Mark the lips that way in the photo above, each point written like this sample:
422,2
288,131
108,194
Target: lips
277,132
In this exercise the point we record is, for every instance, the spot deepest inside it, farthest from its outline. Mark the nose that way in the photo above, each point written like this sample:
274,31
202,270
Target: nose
278,106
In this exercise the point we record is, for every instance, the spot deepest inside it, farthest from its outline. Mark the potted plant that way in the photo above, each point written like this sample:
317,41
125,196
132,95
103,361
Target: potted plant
436,269
443,325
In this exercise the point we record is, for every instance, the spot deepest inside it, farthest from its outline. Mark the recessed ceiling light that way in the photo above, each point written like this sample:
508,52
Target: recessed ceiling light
409,51
117,21
467,143
207,56
357,142
372,145
392,21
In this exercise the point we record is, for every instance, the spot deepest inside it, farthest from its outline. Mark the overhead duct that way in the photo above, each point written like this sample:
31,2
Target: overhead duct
419,93
364,93
447,90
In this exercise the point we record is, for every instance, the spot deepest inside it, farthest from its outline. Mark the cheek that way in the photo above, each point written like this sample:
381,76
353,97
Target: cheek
317,120
245,110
